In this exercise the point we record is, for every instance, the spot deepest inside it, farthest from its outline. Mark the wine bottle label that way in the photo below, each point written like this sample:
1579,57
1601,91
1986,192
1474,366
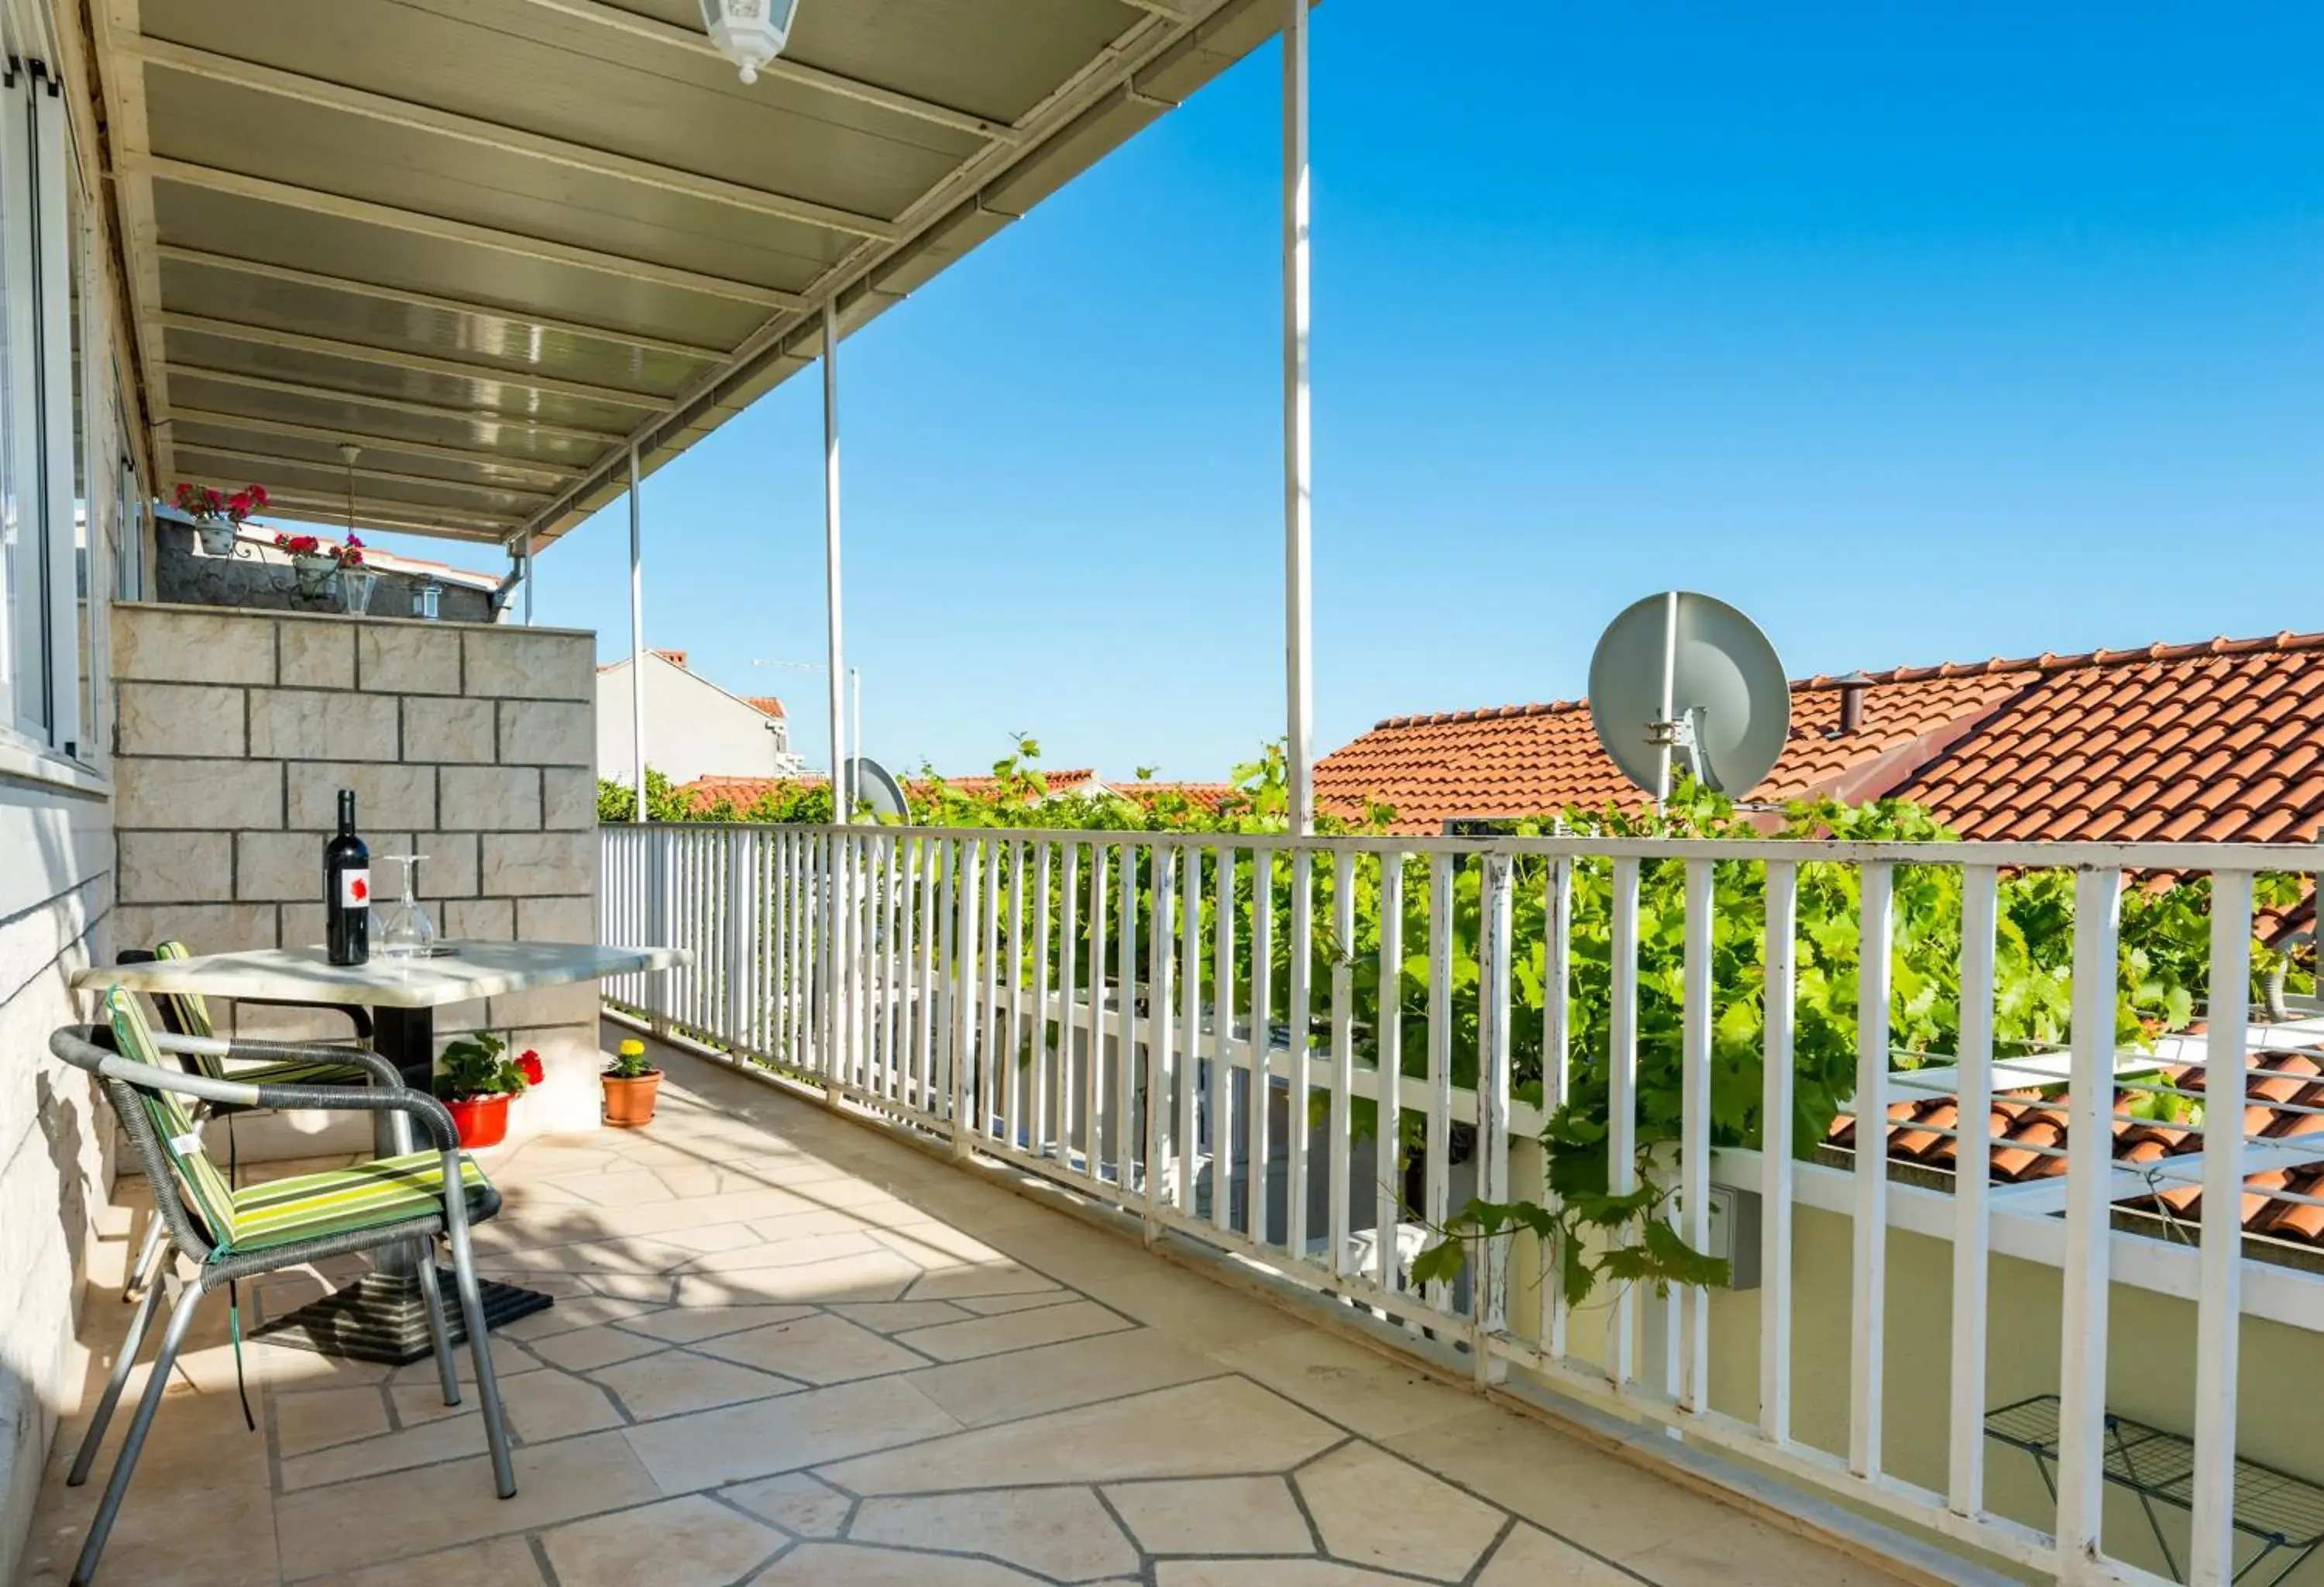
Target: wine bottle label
354,889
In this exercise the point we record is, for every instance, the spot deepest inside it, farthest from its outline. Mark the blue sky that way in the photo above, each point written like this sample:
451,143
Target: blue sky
1919,335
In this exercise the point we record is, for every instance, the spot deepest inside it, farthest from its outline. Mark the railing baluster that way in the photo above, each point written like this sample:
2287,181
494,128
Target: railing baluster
1068,949
1297,1017
1339,1140
1492,1151
740,941
1622,1097
1093,1099
1780,956
1437,1179
2211,1540
988,1014
1387,1088
908,957
1556,1043
942,1091
1262,1040
1125,1025
1223,1004
1041,1087
1868,1307
1013,1065
1973,1161
967,1059
2090,1204
1189,1023
1158,1145
1691,1321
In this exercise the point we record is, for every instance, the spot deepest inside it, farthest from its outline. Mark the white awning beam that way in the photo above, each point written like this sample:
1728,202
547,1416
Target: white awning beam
322,508
266,80
694,42
393,358
459,305
386,475
363,211
214,419
299,388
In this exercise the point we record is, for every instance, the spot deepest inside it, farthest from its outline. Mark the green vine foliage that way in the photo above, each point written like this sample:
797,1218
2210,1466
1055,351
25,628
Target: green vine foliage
1594,1232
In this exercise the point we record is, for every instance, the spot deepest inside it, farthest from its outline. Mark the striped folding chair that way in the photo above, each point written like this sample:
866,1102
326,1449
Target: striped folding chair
230,1234
185,1016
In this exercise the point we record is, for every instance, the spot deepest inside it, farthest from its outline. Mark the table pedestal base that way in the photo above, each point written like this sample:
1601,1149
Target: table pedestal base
382,1317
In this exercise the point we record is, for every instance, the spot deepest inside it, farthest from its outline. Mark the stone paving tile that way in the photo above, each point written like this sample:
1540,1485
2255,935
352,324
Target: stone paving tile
1214,1428
674,1382
890,1375
711,1449
1057,1376
957,1341
1373,1509
796,1503
1213,1515
1063,1533
819,1349
681,1540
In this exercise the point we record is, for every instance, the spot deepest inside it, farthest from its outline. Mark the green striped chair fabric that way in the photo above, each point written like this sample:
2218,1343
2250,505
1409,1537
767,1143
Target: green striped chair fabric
192,1013
388,1190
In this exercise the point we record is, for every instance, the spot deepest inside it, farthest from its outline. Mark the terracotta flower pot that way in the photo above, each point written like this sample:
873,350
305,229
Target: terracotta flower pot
630,1103
482,1121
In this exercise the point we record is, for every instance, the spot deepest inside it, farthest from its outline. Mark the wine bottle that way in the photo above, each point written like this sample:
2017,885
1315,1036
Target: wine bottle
346,887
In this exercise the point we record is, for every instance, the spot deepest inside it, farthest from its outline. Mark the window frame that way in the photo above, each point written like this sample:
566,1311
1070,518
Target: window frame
43,732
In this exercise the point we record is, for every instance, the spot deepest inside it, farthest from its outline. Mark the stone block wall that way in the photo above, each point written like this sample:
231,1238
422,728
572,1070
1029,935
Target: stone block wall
472,745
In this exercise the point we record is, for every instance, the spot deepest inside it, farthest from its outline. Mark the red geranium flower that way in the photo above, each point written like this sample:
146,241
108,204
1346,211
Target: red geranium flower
527,1064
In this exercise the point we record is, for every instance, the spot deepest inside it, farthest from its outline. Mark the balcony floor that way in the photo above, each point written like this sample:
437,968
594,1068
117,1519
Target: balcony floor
788,1351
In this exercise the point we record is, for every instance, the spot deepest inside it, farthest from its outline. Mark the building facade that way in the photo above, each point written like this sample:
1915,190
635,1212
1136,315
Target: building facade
694,728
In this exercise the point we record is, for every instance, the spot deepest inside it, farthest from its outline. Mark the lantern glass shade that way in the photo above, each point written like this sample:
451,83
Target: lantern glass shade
749,32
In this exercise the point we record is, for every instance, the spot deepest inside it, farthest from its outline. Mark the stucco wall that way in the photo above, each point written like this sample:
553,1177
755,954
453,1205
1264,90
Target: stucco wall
55,891
471,745
693,728
2150,1376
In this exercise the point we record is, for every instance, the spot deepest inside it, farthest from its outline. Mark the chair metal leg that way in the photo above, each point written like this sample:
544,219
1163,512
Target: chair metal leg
432,1292
122,1361
488,1389
109,1509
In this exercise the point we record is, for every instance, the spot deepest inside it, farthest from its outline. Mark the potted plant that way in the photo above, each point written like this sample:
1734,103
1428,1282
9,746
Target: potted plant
630,1083
355,580
219,519
477,1082
315,567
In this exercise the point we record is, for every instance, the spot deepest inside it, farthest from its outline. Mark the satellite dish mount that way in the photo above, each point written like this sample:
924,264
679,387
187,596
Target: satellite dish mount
1681,681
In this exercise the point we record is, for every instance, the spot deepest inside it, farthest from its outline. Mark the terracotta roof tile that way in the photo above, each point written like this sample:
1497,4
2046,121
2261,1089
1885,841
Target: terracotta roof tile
2030,1139
2214,741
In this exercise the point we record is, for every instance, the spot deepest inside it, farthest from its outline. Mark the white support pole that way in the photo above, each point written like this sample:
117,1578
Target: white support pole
527,584
637,644
835,669
1298,428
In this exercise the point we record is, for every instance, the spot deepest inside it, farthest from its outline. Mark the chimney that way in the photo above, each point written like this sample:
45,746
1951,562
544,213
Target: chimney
1852,690
674,658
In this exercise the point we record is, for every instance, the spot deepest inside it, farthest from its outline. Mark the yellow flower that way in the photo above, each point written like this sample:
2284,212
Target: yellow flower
633,1049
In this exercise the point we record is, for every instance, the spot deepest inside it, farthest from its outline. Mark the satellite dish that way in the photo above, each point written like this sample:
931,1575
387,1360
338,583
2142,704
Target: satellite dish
1683,683
872,784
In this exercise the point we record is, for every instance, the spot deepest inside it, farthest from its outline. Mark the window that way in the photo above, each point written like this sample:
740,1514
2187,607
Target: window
55,546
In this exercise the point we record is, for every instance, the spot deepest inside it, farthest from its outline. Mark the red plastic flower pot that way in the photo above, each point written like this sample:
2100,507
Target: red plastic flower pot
482,1121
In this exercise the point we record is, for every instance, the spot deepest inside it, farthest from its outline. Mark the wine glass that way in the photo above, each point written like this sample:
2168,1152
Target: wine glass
407,932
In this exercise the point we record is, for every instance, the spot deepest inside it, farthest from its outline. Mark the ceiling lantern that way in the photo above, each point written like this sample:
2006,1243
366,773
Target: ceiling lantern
749,32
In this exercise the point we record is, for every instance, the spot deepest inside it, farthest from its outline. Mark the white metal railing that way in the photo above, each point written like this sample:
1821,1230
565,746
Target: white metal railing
1082,1005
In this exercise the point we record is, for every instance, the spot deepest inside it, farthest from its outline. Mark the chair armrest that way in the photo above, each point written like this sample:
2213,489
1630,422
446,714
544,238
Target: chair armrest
73,1046
239,1051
